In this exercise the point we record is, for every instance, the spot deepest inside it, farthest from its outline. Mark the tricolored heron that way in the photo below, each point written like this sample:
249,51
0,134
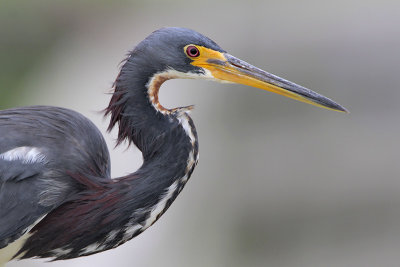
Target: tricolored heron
57,199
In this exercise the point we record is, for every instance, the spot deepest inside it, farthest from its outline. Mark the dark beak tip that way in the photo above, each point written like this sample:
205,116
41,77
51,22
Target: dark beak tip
340,108
335,106
345,110
328,103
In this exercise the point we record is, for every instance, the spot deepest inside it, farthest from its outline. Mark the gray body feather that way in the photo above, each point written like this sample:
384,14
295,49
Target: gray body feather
39,147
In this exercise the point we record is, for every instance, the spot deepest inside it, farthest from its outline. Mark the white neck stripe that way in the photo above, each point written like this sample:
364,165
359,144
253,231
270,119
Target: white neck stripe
155,82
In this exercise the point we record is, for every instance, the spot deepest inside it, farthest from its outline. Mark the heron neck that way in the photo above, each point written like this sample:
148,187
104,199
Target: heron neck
168,141
141,119
167,138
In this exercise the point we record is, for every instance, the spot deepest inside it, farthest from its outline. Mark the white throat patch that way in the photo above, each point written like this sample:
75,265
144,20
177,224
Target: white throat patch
155,82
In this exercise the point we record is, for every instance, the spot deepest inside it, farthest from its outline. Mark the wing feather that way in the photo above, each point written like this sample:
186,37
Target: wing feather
19,199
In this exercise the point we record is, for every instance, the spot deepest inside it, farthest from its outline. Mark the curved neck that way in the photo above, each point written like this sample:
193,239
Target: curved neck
141,119
167,139
130,204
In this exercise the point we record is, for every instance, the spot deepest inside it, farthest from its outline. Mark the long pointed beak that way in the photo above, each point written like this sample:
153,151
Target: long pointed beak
226,67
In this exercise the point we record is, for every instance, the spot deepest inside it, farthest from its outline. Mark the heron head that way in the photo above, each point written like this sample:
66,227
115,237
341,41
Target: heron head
184,53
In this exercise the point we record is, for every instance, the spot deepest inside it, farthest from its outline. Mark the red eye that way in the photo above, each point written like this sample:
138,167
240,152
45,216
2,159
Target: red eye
192,51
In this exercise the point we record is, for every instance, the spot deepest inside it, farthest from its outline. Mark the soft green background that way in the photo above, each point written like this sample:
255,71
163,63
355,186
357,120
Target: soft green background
279,183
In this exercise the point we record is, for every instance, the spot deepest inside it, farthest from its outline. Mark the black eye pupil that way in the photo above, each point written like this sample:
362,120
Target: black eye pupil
193,51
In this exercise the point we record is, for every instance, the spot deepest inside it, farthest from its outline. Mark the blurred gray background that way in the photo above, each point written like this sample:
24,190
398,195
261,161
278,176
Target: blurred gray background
279,183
